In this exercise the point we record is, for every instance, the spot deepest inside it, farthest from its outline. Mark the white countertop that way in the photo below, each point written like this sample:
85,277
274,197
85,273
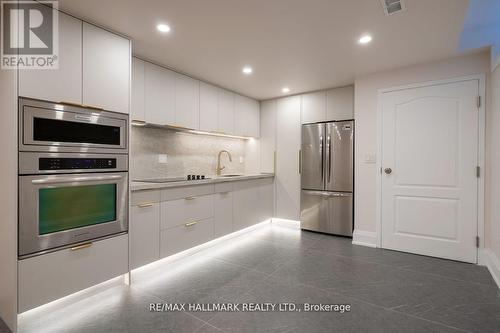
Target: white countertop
138,186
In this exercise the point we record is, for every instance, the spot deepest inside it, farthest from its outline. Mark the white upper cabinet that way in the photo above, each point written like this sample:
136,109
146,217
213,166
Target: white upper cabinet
226,112
313,107
267,135
247,116
137,107
209,104
159,95
187,102
106,69
340,103
63,84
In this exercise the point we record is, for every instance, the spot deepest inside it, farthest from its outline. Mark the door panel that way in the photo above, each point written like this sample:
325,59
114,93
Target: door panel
339,156
430,143
313,138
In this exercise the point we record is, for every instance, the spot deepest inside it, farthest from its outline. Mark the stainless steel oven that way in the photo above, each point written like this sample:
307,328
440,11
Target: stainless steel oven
73,176
54,127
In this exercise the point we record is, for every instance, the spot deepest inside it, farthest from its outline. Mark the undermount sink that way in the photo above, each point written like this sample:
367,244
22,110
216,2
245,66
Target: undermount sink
234,175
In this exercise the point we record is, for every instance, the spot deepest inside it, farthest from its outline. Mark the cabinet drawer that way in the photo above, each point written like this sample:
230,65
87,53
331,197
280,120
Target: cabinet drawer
144,197
186,191
189,209
186,236
45,278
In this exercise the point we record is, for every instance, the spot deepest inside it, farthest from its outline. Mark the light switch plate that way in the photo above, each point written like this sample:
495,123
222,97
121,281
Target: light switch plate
241,159
162,158
370,158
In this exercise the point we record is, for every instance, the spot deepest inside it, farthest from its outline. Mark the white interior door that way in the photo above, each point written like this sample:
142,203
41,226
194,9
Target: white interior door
429,195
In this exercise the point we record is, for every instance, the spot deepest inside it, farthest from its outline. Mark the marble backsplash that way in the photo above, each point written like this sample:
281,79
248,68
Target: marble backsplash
187,153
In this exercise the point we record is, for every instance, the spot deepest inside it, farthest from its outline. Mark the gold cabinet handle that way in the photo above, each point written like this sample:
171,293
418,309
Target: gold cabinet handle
224,193
190,224
83,246
190,198
146,204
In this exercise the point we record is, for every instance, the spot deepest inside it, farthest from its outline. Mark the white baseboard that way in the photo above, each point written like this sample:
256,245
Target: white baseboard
364,238
493,263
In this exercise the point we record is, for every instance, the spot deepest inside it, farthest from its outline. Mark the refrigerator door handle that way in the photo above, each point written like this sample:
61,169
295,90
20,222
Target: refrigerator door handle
329,145
322,157
328,194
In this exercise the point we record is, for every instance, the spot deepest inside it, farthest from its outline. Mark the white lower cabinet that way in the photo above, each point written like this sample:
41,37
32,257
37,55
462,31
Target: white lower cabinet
144,238
187,216
186,210
50,276
223,210
185,236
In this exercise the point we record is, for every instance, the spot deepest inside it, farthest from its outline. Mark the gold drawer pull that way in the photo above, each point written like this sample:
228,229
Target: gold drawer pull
83,246
224,193
190,198
146,204
190,224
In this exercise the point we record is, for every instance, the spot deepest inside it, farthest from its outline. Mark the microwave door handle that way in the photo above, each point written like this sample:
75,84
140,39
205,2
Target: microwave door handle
74,179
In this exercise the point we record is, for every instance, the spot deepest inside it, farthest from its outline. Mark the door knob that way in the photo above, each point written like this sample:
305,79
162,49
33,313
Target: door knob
388,170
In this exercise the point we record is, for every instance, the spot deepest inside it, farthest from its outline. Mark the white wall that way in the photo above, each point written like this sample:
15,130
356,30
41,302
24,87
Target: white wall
494,181
8,198
365,111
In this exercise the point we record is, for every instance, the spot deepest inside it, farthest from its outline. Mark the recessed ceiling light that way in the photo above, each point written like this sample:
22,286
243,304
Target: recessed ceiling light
365,39
163,28
285,90
247,70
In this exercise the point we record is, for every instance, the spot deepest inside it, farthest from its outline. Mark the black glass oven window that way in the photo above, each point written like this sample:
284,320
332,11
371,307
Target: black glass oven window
52,130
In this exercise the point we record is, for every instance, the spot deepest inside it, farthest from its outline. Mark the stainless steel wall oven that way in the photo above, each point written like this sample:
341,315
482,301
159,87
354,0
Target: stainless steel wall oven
73,175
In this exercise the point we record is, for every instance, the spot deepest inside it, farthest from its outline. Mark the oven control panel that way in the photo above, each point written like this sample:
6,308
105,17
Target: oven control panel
49,163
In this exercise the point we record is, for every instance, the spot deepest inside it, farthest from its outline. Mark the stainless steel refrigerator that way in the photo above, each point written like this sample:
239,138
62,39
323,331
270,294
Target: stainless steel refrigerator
326,203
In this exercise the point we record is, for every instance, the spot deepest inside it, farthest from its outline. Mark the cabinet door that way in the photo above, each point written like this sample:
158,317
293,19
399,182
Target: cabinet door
106,69
313,107
208,107
63,84
187,102
144,234
287,158
246,204
226,112
266,197
137,106
267,136
247,116
340,103
159,84
223,221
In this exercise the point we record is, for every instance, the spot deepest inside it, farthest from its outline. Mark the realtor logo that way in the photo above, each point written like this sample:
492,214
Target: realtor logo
29,34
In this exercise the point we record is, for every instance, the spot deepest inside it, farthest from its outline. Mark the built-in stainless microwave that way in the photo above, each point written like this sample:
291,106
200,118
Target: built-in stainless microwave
73,176
55,127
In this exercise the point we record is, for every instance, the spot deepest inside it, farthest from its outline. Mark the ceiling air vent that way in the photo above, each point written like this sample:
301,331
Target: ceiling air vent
392,6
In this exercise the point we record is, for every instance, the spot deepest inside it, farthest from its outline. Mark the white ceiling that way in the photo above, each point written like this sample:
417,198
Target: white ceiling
304,44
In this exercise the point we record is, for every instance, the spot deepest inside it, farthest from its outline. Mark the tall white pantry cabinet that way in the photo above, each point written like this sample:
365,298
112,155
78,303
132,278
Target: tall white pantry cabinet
280,138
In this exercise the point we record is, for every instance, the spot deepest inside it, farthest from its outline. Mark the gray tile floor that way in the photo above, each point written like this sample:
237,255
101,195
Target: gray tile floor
388,291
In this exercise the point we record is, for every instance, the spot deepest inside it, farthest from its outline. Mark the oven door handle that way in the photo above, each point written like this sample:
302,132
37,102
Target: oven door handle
74,179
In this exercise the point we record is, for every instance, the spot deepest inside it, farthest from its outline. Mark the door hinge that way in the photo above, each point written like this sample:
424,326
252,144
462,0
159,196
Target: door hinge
477,241
478,171
478,102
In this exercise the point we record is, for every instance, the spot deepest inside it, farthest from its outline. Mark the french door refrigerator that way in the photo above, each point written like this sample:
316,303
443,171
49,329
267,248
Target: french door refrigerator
326,203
